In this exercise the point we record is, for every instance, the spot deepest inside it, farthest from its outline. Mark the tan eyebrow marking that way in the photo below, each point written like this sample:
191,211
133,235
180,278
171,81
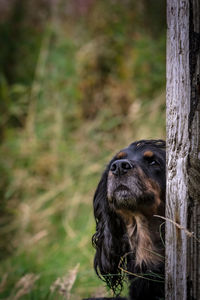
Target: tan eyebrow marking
148,153
121,155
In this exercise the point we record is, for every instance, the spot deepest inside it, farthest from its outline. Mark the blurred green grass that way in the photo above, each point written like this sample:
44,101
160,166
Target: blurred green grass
91,94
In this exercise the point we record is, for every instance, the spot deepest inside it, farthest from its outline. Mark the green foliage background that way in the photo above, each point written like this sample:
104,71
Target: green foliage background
78,81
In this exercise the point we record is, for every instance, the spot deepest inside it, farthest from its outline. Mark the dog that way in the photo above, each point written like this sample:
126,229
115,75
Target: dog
129,235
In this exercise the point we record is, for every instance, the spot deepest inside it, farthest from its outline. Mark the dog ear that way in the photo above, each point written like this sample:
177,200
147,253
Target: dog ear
109,240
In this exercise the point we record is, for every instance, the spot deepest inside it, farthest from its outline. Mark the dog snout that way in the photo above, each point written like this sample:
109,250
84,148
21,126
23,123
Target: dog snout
121,167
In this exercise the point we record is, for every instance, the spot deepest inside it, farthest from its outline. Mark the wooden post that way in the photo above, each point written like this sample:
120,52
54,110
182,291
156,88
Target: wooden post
183,150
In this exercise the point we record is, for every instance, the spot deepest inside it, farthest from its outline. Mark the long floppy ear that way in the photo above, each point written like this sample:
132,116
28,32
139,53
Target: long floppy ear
110,239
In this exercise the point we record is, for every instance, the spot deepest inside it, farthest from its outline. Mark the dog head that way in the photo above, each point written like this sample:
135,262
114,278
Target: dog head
136,178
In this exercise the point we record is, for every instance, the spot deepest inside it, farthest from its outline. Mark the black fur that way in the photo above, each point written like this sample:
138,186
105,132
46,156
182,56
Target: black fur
113,251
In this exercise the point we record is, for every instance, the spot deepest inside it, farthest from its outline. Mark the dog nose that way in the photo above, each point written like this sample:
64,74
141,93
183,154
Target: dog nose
120,167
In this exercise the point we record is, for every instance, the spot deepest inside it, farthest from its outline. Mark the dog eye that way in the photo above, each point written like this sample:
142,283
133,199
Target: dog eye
153,162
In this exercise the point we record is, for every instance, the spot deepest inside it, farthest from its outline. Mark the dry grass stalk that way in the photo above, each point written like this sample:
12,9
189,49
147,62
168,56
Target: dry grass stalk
25,285
38,236
3,282
187,232
41,200
135,274
64,284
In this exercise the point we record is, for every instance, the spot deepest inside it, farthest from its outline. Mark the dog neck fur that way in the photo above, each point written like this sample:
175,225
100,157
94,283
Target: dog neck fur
141,241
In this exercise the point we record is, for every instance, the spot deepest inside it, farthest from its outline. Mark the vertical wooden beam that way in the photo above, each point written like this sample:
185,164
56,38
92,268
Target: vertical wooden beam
193,255
178,103
183,150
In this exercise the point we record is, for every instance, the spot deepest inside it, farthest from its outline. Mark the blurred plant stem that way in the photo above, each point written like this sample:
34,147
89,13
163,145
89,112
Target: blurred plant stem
36,86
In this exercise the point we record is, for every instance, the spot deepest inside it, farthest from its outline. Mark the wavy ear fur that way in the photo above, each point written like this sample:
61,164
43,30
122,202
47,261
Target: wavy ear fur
110,239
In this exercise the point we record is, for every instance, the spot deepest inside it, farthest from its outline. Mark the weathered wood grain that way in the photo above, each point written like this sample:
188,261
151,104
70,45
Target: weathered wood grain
183,150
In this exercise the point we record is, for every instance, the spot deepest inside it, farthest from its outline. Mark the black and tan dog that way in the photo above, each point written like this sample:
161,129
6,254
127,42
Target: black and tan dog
129,237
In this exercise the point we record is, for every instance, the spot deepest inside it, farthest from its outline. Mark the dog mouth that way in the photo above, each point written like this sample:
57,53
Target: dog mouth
123,197
131,198
121,190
